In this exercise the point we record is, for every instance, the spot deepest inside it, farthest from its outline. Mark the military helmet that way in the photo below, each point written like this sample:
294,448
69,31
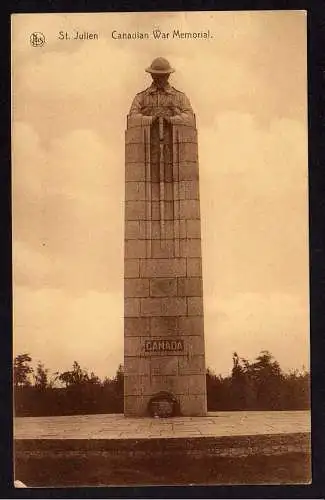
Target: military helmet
160,65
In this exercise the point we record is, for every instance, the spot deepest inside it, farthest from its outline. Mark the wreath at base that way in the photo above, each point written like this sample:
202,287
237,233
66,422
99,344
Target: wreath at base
163,405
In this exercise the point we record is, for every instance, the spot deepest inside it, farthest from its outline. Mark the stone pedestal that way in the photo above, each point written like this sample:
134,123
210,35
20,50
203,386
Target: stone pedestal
163,325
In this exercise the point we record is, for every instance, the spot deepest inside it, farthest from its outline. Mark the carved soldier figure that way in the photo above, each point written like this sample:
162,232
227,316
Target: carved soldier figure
161,99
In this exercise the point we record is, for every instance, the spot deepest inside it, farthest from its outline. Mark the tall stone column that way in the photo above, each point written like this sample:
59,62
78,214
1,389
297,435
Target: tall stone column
163,325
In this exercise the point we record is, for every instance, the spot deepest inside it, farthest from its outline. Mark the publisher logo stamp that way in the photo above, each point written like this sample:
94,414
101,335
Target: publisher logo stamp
37,39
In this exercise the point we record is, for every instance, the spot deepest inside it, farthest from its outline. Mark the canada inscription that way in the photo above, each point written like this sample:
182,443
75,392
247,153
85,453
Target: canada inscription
163,345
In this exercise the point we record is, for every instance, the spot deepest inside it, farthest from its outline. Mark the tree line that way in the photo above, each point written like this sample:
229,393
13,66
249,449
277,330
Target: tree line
252,385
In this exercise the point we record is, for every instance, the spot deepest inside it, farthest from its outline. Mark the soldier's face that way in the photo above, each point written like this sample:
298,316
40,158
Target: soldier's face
160,80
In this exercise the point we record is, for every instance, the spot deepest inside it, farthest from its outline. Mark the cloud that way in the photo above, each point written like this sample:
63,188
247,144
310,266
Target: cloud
29,262
67,207
275,155
254,205
58,328
249,322
64,74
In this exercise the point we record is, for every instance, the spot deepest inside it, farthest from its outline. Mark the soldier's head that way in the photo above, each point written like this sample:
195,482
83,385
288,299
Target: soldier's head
160,71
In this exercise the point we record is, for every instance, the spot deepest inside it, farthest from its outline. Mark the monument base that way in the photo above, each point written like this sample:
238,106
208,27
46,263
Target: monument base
106,450
277,459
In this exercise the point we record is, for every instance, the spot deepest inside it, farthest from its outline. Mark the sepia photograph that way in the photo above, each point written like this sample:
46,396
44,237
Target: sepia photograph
160,249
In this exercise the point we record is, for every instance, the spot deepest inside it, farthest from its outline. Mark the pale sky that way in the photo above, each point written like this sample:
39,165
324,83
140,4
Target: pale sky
248,87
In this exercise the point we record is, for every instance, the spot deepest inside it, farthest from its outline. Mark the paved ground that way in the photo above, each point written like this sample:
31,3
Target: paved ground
118,427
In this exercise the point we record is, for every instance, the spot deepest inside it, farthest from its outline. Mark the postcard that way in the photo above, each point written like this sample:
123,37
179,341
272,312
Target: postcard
160,248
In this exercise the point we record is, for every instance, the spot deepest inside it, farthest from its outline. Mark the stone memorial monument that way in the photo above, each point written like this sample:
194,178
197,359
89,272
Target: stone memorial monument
164,352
